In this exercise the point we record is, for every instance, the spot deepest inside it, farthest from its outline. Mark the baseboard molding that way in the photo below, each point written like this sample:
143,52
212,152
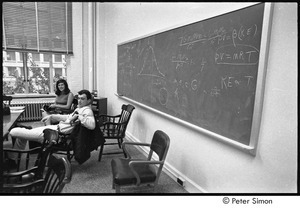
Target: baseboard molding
189,185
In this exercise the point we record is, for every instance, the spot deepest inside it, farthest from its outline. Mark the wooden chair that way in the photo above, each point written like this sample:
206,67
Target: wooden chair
53,181
62,145
24,188
58,174
26,159
128,171
114,128
79,143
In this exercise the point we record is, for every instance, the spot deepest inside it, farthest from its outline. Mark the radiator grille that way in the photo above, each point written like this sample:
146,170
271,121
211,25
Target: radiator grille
32,109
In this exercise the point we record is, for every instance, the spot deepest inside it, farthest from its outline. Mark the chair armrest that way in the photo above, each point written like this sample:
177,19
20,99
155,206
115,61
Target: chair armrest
39,182
112,125
20,173
68,170
21,151
133,144
136,143
145,162
108,118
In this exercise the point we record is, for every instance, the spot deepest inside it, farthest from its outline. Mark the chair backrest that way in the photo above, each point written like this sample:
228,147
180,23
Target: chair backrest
126,113
58,174
124,118
74,103
160,144
33,157
24,159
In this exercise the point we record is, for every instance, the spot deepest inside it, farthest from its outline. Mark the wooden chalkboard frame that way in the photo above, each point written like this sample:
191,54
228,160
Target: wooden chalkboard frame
259,93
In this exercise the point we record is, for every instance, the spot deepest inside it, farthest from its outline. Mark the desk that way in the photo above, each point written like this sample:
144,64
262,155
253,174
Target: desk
9,121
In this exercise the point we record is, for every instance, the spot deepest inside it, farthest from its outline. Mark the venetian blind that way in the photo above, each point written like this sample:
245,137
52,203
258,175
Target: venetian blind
37,26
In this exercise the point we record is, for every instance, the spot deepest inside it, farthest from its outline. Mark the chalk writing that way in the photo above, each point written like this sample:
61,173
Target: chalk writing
215,91
230,81
239,54
242,32
149,66
203,62
190,40
192,85
180,60
220,35
163,96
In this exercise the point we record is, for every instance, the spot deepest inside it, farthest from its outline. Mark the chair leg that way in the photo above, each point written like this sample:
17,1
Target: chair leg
69,155
125,155
118,190
100,152
119,143
113,183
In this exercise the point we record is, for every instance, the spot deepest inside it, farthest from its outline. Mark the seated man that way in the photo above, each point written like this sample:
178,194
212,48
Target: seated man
83,113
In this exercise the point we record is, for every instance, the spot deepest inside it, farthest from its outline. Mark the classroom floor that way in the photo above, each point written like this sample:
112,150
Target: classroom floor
96,177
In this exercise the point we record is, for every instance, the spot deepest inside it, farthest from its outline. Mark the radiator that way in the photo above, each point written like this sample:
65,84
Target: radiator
32,109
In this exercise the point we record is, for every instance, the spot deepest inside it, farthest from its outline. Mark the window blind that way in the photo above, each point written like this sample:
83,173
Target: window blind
37,26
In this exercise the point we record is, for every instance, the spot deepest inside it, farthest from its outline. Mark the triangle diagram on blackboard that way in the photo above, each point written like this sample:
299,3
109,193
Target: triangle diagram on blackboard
149,63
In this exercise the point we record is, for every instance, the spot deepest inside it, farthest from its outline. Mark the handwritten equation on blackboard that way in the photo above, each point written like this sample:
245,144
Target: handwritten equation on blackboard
204,73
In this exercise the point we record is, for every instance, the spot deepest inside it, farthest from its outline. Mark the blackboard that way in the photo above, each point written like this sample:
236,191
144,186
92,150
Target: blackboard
204,73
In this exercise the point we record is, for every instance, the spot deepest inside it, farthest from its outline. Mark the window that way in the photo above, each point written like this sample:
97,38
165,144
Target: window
34,36
37,78
35,56
58,72
11,56
47,57
37,26
20,57
58,58
11,71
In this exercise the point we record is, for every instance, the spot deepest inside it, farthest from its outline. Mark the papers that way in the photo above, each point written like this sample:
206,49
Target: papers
17,109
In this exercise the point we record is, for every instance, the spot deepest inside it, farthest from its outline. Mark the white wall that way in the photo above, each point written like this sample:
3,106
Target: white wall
79,75
75,74
207,164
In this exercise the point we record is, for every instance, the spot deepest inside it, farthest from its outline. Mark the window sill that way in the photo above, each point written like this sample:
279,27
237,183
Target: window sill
20,96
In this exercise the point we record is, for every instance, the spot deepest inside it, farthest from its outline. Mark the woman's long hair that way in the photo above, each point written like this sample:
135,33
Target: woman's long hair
66,91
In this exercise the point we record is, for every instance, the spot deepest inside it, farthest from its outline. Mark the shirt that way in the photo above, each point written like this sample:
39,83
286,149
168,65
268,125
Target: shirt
85,116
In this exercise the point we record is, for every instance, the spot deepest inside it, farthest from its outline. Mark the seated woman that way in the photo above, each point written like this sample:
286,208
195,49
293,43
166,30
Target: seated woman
63,100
